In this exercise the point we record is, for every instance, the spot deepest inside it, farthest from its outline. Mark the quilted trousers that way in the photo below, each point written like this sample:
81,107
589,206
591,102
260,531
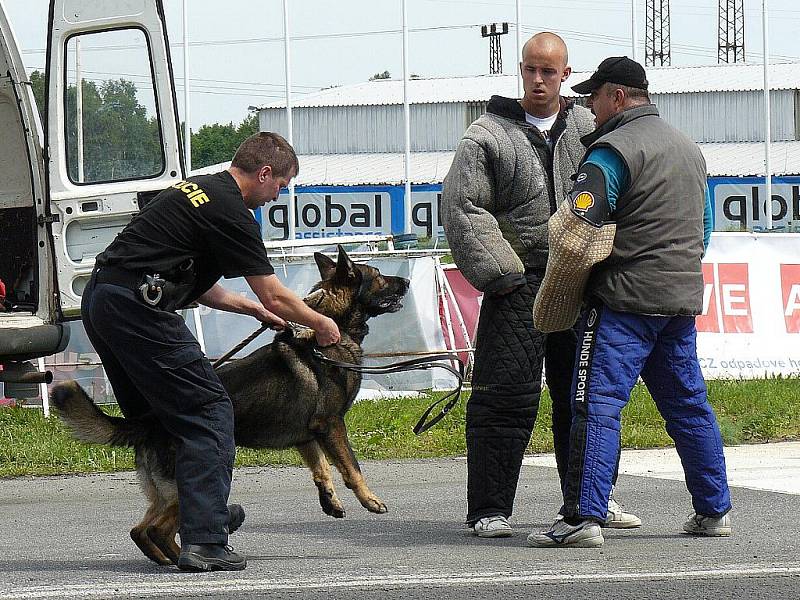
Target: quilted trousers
506,386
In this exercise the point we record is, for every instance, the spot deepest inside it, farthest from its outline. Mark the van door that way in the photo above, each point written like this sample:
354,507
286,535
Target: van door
28,306
112,128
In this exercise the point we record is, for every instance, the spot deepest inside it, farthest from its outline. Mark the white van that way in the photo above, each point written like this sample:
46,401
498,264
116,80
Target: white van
110,141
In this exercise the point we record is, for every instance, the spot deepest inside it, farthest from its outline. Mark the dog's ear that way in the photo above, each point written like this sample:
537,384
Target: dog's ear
315,298
345,268
326,266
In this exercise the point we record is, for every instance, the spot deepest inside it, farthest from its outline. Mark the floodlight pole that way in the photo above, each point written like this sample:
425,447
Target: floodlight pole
407,127
520,91
634,41
289,133
767,124
187,130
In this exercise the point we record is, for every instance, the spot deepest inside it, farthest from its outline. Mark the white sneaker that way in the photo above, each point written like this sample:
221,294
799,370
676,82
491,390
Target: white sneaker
617,518
585,534
709,526
492,527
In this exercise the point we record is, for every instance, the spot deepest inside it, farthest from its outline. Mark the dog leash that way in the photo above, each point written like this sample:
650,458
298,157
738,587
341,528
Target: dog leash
225,357
416,364
264,326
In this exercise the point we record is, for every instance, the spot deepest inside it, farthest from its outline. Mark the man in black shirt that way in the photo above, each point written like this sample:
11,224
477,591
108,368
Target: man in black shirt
172,253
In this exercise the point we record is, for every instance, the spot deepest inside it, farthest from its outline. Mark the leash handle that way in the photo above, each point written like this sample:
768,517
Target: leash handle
455,395
417,364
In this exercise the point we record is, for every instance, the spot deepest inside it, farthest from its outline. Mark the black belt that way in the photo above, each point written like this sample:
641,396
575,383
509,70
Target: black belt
148,287
117,276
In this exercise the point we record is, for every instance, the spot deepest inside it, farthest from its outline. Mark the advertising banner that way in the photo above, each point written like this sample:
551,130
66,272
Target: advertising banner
334,211
740,203
750,325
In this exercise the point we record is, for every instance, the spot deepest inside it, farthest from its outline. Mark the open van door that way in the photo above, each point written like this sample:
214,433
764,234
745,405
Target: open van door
112,128
110,143
28,295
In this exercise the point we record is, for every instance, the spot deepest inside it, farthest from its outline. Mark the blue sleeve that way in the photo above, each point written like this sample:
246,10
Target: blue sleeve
615,171
708,221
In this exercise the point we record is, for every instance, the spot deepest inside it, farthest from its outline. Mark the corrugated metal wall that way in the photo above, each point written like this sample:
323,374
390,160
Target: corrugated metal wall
729,116
705,117
350,129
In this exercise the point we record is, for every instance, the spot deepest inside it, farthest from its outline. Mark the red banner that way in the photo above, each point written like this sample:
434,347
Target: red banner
790,286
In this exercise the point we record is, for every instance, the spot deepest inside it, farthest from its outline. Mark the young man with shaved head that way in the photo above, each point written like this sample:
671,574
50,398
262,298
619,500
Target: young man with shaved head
511,170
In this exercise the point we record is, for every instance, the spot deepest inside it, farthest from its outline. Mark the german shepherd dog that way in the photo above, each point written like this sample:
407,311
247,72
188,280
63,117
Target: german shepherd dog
282,397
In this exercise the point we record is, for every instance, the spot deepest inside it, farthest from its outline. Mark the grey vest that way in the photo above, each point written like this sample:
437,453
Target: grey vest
654,267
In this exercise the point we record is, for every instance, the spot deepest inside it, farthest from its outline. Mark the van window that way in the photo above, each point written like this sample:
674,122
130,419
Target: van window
112,126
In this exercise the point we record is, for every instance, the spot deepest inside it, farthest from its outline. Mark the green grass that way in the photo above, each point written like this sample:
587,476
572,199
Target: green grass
748,412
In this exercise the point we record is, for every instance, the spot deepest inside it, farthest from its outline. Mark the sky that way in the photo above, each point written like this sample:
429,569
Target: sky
236,54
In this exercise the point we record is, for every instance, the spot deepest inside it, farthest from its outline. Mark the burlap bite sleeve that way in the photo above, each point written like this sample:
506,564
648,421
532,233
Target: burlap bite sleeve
575,246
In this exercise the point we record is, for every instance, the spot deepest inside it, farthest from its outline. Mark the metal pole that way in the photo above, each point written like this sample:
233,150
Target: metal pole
79,108
187,130
767,125
407,127
634,41
43,389
289,133
519,50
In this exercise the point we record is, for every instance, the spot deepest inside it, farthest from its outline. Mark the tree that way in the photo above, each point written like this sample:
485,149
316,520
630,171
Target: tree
384,75
217,143
119,140
37,83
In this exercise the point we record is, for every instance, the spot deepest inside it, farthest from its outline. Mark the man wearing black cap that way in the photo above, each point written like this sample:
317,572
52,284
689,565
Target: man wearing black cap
511,169
648,181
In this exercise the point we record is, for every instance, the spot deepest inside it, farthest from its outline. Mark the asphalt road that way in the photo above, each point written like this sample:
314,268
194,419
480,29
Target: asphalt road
67,537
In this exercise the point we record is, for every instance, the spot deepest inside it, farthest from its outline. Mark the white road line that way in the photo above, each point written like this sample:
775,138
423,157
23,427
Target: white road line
135,587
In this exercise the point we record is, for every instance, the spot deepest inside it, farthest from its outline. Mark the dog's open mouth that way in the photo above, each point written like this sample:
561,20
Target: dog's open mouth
391,304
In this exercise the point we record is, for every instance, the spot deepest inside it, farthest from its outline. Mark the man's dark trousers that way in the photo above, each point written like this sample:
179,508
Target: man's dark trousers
155,365
506,386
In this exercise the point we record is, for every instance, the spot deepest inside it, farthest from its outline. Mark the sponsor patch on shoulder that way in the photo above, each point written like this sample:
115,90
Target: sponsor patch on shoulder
581,177
583,201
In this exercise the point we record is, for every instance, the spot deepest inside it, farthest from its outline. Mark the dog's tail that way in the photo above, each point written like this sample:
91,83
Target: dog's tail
87,422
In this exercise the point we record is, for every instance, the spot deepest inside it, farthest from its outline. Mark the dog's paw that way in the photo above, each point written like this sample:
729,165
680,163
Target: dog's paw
148,548
330,504
375,505
336,513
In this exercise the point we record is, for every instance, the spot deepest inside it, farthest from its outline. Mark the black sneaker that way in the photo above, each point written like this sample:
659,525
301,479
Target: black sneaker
235,517
210,557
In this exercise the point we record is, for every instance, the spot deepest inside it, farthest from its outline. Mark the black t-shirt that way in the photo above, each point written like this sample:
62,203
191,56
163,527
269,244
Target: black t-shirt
203,219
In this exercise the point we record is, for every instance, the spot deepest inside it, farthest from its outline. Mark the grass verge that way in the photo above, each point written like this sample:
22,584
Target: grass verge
748,412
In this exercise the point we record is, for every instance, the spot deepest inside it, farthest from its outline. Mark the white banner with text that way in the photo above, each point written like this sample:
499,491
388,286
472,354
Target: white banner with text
750,326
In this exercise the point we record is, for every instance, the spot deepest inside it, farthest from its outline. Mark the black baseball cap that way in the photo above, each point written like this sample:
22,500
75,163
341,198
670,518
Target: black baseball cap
616,69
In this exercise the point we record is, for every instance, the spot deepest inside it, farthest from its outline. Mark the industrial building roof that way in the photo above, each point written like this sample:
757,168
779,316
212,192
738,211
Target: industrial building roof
743,159
723,160
663,80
